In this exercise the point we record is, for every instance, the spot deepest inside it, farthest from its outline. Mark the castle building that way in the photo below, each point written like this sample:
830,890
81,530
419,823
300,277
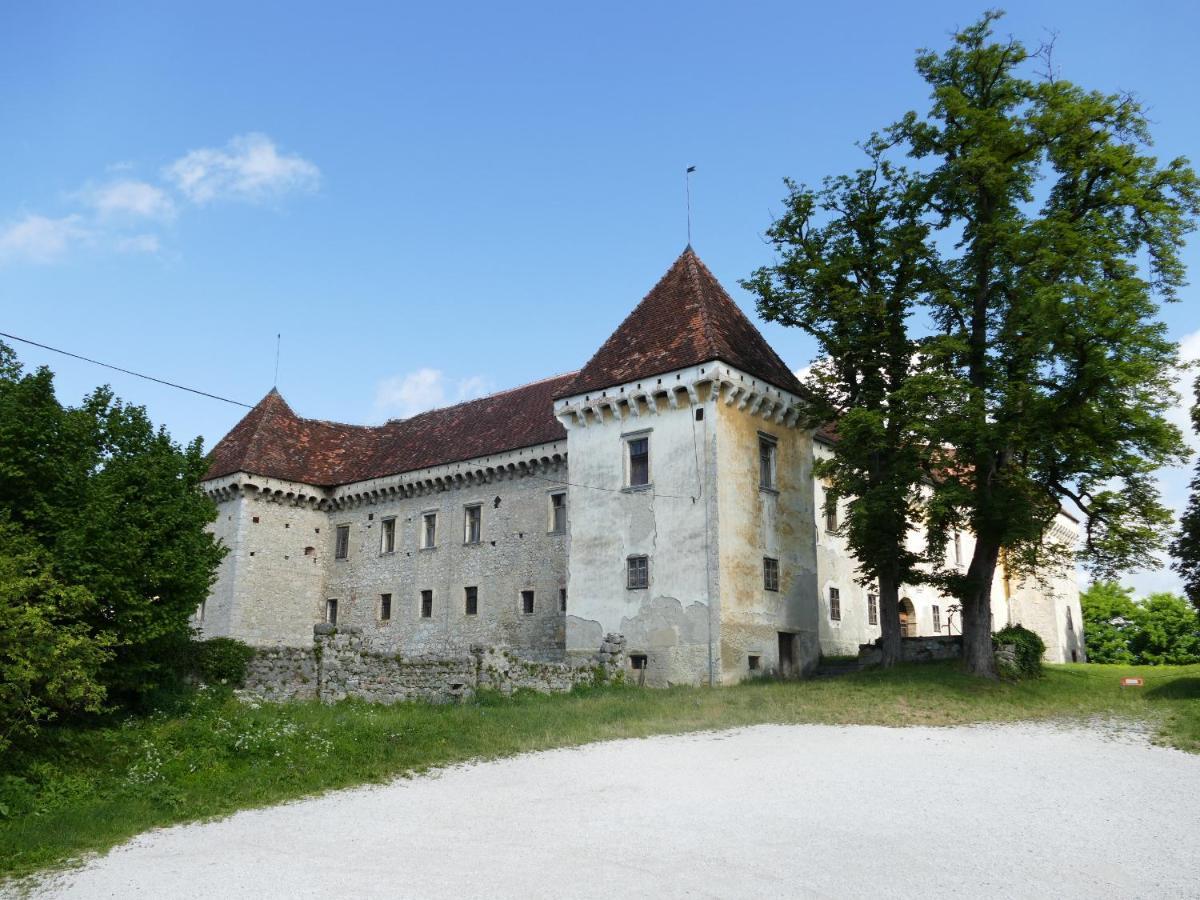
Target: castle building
664,492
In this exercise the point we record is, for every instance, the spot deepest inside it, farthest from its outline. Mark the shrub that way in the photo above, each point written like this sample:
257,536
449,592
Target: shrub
1027,648
221,661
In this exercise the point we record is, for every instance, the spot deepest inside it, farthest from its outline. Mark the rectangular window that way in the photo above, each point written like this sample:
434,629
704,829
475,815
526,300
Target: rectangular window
937,618
766,463
770,574
835,605
527,602
1070,624
957,549
872,609
385,607
341,549
387,537
753,663
637,573
471,605
558,513
429,531
831,519
637,661
639,461
331,612
426,604
562,600
471,521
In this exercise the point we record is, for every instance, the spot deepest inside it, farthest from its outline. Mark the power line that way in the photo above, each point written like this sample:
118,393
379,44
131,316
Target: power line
97,362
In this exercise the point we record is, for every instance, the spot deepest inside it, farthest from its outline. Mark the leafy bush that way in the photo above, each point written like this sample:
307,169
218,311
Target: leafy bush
1028,649
1162,629
221,661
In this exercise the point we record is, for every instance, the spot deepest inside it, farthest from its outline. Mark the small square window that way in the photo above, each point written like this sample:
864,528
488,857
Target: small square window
770,574
527,602
637,661
428,531
385,607
835,604
558,512
872,609
472,518
387,535
562,603
426,604
331,612
639,461
471,601
754,663
766,463
342,547
637,573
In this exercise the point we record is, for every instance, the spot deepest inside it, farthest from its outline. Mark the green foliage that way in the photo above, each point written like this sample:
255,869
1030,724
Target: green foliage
50,661
1186,547
1163,629
221,661
1028,647
112,504
1109,617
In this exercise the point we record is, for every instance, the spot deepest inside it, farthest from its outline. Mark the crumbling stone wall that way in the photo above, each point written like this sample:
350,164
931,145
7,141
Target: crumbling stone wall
917,649
342,664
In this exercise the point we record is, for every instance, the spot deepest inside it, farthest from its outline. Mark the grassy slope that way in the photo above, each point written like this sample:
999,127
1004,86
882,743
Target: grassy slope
87,790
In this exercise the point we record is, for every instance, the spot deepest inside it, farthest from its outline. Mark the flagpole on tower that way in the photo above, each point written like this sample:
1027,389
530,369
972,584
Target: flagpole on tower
687,180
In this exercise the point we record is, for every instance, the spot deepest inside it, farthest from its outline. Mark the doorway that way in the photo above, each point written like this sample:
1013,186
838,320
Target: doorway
908,619
786,659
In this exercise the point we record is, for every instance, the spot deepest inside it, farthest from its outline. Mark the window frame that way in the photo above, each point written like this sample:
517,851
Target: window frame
387,534
555,510
426,595
341,548
771,574
425,515
331,611
528,602
835,604
937,618
562,599
630,568
385,608
471,600
629,440
468,508
768,447
872,609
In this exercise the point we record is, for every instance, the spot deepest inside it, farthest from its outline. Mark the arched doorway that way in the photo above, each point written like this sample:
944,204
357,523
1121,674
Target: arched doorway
908,618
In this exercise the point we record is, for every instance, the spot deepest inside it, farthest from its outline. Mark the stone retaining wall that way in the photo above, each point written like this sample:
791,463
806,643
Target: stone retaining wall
917,649
342,664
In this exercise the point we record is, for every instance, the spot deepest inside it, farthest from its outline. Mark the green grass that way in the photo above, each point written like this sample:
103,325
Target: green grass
80,790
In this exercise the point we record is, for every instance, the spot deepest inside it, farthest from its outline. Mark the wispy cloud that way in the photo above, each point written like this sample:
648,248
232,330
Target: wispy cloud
38,239
120,212
249,167
130,199
424,389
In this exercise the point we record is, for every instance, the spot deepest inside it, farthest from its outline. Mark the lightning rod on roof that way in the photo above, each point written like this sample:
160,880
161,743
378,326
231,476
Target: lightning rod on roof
687,180
278,340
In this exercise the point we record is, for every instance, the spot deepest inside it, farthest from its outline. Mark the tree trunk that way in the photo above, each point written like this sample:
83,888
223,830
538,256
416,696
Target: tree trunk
978,655
889,620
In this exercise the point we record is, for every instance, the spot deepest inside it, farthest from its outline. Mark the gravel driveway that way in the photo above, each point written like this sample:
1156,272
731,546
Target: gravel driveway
769,811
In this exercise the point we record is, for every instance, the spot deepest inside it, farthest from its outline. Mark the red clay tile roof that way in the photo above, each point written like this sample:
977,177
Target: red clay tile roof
687,319
272,440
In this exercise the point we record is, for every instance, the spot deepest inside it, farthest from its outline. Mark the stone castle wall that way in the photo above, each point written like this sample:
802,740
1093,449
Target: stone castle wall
341,664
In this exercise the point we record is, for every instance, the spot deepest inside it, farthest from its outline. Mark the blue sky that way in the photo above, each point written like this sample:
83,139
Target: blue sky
431,202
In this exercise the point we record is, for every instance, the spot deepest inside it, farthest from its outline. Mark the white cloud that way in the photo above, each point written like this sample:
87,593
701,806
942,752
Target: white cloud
248,168
424,389
131,199
139,243
39,239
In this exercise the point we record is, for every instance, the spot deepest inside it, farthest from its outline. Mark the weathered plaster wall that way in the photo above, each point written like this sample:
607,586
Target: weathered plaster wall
756,523
269,586
1050,606
672,622
516,552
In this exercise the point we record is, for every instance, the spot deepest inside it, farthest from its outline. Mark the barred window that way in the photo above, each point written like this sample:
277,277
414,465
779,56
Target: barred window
770,574
637,573
341,548
835,604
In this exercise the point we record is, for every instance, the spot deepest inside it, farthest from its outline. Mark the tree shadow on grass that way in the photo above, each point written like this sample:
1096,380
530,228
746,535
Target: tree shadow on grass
1176,689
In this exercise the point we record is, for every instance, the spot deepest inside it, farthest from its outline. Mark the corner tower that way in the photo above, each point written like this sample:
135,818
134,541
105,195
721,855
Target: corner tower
691,527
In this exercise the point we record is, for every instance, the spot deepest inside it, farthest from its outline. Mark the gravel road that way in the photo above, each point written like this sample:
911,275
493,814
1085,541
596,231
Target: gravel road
798,811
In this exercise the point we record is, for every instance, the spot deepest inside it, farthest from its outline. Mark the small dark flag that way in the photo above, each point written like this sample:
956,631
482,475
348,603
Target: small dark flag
691,169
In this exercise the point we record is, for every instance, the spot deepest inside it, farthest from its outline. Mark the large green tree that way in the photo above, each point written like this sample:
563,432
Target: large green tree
1059,233
852,262
1168,631
1109,622
1186,547
113,502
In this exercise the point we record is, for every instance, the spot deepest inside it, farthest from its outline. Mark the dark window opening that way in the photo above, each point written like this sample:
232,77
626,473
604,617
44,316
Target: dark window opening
342,547
766,463
639,461
835,605
637,660
527,602
385,607
426,604
562,599
472,601
331,612
700,414
754,662
637,573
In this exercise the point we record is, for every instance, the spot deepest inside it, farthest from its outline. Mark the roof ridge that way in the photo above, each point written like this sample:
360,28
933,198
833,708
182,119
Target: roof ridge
694,266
